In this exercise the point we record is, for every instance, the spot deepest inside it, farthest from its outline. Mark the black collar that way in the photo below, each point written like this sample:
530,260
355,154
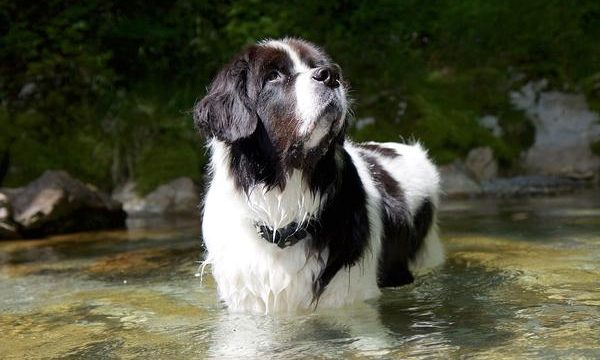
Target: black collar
286,236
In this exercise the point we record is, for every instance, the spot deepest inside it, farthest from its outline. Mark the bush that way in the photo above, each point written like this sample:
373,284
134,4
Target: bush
103,89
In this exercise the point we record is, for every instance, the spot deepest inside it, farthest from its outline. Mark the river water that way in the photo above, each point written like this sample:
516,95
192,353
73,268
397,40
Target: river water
522,280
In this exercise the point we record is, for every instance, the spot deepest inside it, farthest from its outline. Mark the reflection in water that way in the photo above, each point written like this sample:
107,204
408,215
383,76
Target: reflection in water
355,330
521,280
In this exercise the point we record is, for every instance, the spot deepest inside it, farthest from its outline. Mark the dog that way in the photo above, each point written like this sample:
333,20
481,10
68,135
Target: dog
296,216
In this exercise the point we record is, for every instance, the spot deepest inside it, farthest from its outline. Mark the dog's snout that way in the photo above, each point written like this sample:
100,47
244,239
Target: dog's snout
329,75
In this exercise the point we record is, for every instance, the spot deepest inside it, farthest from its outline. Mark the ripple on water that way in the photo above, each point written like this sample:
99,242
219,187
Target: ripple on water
521,281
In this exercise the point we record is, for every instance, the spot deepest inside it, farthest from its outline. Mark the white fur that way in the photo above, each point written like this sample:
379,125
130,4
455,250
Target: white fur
279,208
299,66
253,275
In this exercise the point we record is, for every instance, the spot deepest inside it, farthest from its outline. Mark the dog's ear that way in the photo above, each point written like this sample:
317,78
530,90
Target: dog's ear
226,112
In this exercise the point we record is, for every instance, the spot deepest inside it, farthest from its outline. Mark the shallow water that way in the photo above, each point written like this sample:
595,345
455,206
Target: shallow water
522,280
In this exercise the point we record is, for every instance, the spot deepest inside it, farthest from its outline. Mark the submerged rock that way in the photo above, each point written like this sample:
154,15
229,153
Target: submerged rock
57,203
180,196
530,185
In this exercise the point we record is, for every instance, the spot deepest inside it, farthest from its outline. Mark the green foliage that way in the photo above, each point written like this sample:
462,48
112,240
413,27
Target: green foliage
166,160
443,112
103,88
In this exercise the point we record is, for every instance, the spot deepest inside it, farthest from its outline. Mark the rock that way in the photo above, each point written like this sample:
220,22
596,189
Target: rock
133,204
57,203
481,164
456,182
5,210
491,123
180,196
177,196
565,130
531,185
11,192
27,90
8,229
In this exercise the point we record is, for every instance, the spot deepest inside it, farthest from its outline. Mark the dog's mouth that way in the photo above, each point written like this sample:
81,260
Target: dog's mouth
307,151
322,133
329,120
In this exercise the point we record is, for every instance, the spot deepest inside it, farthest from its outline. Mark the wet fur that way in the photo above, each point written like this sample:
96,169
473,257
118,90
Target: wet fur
372,206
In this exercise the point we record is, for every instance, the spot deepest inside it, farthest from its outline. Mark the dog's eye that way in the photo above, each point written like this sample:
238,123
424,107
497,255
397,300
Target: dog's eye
272,76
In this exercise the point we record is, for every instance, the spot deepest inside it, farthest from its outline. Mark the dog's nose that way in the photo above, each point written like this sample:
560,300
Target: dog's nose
329,75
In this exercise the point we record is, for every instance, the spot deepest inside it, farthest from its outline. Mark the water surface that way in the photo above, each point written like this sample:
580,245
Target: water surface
522,279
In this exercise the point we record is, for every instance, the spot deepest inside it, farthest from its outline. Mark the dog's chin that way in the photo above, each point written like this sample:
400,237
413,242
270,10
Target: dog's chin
320,137
327,124
333,106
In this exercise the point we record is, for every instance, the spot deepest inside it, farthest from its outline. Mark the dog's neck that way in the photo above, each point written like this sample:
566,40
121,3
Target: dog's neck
277,208
277,194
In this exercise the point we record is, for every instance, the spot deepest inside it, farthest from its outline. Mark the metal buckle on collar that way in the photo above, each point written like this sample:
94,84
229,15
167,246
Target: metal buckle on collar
284,237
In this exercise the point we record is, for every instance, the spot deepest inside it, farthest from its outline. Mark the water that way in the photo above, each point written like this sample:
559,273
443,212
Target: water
522,280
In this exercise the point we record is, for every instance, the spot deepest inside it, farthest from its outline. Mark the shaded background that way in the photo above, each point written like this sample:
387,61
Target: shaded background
103,89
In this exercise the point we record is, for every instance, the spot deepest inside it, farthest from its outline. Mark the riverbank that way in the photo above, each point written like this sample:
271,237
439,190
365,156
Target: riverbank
56,203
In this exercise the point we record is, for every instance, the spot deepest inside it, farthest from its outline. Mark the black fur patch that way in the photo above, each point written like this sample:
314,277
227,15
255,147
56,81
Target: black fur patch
254,161
381,150
403,233
226,112
343,225
423,220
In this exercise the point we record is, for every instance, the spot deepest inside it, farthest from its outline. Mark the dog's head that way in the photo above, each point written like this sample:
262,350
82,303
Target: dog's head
289,90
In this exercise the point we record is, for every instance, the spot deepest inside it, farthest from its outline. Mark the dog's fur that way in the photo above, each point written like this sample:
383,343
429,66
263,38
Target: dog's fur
275,118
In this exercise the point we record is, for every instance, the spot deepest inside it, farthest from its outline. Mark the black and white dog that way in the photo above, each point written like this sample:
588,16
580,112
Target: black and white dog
296,216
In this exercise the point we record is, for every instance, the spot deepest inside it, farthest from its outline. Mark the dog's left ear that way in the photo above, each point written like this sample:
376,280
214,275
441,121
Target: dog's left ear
226,112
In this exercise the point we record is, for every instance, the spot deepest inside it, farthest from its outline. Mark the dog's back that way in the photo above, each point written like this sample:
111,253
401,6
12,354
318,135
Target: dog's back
409,186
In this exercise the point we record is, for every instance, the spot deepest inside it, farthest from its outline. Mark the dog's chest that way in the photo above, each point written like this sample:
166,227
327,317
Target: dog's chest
252,273
277,208
264,278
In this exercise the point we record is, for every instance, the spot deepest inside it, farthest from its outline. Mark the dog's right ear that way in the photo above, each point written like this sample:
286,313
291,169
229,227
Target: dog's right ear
226,112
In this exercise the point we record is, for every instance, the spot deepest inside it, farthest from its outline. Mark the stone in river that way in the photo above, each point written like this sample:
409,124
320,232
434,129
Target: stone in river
57,203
